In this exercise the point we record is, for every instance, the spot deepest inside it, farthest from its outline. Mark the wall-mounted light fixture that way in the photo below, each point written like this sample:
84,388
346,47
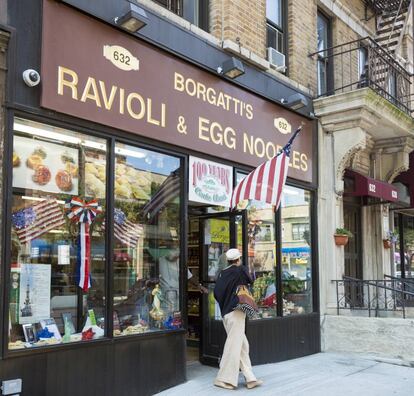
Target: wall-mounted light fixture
295,102
231,68
133,20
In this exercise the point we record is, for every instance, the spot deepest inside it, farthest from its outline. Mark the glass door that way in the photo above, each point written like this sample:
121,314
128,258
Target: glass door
219,232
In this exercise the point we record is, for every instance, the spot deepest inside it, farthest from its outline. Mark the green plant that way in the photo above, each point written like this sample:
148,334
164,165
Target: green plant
392,236
343,231
291,284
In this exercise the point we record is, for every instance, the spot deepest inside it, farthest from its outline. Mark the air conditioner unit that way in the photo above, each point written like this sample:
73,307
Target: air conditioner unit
276,59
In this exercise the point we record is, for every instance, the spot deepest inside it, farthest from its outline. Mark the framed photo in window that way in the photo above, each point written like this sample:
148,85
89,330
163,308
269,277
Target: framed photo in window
29,332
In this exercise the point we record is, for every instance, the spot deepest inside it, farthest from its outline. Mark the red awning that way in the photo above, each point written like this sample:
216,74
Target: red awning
368,187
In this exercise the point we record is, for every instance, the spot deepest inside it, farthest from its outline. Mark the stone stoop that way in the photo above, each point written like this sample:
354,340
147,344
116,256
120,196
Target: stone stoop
385,338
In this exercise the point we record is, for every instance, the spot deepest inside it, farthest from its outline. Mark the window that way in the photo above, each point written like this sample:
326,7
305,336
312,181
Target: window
58,212
300,231
58,249
363,64
261,254
323,26
296,251
194,11
147,241
275,24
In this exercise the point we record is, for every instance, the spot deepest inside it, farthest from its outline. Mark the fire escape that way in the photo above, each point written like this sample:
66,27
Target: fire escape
380,62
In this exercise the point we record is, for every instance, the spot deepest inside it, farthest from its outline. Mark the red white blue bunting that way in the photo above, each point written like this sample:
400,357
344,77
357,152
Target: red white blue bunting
83,213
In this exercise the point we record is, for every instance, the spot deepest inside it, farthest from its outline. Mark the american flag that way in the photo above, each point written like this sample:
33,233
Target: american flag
168,190
266,182
34,221
126,231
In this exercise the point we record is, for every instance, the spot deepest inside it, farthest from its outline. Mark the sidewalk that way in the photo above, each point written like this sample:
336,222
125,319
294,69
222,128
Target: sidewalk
323,374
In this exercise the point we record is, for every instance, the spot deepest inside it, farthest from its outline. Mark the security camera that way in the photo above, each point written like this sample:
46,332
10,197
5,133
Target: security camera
31,77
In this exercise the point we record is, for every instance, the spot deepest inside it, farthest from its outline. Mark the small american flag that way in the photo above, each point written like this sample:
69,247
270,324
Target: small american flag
34,221
168,191
126,231
266,182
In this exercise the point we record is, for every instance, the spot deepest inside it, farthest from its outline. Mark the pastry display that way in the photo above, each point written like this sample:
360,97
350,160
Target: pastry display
16,160
46,166
94,186
72,169
67,157
40,151
63,180
34,161
42,175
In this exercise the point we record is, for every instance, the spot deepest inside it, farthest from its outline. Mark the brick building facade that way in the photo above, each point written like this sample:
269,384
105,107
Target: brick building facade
342,68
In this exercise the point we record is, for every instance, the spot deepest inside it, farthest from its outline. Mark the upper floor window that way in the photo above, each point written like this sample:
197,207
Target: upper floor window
299,231
275,24
323,27
194,11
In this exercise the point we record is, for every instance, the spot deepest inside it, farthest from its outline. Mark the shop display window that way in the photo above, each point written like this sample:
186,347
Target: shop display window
296,265
262,256
296,251
147,241
261,250
57,268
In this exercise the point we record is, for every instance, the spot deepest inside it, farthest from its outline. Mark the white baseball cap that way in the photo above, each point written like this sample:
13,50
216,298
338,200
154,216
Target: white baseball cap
233,254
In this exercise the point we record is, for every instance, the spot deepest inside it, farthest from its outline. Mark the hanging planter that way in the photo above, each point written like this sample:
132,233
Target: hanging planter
387,243
342,236
341,240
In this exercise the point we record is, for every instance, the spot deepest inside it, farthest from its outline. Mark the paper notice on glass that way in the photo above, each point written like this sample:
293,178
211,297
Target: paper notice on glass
207,233
34,301
63,254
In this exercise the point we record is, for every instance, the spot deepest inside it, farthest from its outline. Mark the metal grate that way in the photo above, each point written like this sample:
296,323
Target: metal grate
387,6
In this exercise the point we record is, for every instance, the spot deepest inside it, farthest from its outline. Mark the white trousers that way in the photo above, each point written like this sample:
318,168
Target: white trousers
236,350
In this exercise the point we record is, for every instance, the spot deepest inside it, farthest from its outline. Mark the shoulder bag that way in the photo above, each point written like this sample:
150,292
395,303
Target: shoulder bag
246,303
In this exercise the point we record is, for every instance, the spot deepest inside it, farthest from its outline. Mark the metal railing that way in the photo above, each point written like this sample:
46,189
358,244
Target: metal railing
380,6
372,296
406,284
363,63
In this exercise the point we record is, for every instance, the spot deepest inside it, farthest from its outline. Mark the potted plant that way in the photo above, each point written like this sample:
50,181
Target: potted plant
342,236
392,237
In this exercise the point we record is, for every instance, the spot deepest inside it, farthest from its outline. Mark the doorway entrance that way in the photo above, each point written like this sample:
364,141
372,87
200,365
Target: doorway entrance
353,251
210,236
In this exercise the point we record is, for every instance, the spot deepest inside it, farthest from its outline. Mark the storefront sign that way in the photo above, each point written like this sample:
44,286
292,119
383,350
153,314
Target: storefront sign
209,182
99,73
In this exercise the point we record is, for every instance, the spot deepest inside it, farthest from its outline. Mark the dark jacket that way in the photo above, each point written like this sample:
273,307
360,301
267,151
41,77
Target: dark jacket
226,287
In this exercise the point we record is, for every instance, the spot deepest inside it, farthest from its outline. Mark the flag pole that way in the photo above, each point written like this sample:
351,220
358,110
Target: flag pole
274,181
288,144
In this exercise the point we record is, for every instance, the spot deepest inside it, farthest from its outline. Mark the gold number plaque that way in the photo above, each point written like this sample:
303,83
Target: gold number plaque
120,57
282,125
